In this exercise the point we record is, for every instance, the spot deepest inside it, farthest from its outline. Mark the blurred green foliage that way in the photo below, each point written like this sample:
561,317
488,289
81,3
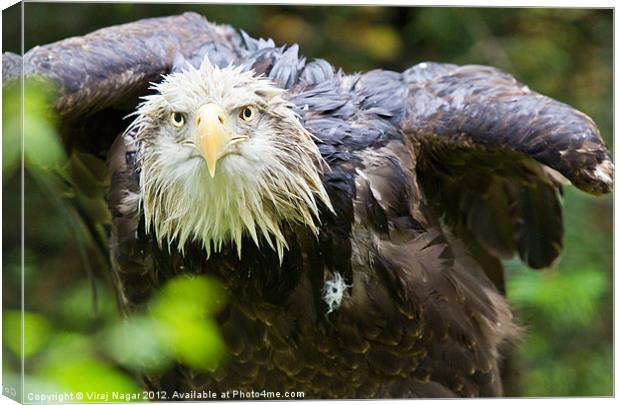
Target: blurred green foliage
72,343
566,311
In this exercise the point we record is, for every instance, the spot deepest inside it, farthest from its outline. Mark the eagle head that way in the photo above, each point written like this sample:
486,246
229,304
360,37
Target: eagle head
222,154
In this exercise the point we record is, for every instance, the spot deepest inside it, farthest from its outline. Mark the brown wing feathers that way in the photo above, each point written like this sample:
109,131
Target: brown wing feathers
104,68
480,106
433,297
489,142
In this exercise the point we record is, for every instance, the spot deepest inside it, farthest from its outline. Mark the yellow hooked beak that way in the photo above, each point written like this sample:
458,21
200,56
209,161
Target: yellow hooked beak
213,136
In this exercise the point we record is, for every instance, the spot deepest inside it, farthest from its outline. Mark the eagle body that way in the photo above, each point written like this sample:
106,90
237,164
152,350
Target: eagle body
416,316
366,215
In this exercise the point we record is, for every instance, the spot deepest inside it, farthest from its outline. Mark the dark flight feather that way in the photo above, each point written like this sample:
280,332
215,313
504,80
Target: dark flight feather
435,174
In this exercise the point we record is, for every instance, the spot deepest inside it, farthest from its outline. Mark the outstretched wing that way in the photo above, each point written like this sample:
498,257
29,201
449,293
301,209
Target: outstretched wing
494,155
106,67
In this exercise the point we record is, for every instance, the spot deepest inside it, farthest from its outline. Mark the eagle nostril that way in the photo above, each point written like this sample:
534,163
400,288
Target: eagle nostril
221,118
198,121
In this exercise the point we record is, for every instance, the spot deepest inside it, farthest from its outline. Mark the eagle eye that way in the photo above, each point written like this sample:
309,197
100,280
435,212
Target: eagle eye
177,119
247,113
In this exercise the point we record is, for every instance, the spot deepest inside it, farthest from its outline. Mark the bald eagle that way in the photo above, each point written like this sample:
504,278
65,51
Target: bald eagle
357,221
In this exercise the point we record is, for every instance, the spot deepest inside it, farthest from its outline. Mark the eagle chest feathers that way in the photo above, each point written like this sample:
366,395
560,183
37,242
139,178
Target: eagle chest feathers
358,222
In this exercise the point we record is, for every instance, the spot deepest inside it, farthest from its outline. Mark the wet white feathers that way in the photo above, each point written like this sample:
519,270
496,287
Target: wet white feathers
273,179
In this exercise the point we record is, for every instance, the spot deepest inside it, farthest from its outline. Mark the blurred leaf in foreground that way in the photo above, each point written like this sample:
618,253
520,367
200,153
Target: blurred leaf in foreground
179,325
140,343
11,130
41,144
72,364
36,332
184,305
85,374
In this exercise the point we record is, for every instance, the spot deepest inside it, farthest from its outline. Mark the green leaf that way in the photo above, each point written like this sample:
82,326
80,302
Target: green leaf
87,375
140,343
172,303
42,146
197,344
183,306
11,130
36,332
